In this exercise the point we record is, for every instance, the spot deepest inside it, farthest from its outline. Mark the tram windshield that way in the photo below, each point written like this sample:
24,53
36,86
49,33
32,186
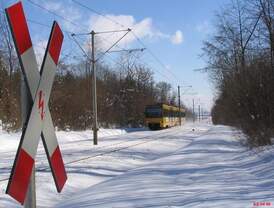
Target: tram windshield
153,112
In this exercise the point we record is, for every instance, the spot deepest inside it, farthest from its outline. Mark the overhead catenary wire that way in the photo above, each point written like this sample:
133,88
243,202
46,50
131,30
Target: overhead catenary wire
115,43
36,45
67,32
134,34
103,53
57,15
76,24
154,56
99,13
122,49
61,16
35,22
31,21
81,48
115,22
71,53
164,75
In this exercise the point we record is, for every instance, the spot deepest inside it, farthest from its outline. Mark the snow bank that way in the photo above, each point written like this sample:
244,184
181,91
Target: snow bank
174,167
74,145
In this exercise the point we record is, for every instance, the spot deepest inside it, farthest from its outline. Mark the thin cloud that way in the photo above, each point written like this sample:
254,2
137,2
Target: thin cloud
39,49
203,27
68,12
143,28
177,38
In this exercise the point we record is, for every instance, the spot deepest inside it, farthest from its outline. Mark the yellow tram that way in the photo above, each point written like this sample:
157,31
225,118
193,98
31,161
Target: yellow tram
163,116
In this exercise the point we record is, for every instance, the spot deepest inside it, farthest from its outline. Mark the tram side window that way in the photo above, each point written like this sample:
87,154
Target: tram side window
165,113
183,114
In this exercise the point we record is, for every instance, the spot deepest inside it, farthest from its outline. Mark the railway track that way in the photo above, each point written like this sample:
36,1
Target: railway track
116,147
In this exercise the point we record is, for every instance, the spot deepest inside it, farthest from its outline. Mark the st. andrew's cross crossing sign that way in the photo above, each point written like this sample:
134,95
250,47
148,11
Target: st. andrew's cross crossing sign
39,120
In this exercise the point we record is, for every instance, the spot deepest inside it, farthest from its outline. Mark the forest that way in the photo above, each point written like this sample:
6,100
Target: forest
240,63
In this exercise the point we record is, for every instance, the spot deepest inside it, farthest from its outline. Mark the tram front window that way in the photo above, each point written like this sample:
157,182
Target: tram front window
153,112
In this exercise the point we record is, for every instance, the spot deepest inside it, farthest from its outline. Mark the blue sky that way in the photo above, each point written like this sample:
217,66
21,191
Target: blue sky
172,29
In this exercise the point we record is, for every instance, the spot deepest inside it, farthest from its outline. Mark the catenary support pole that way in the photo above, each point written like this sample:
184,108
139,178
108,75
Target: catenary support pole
26,104
179,102
193,110
199,112
93,68
94,94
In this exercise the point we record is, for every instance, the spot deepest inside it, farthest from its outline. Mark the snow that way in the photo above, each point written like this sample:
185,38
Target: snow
176,167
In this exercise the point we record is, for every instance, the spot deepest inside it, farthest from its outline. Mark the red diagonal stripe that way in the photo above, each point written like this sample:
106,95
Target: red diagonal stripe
20,180
58,168
19,27
56,43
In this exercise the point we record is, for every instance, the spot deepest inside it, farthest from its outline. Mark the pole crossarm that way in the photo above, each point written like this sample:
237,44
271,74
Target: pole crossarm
80,34
108,50
114,44
81,48
188,87
128,50
113,31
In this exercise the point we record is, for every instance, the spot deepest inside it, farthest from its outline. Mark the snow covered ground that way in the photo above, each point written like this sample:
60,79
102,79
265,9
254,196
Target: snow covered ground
175,167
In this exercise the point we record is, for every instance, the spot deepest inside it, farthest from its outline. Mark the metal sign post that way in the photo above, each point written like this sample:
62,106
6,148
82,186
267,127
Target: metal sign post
39,120
30,201
26,103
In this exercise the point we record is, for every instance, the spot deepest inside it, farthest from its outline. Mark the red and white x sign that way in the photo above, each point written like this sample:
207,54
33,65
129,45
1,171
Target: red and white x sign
39,120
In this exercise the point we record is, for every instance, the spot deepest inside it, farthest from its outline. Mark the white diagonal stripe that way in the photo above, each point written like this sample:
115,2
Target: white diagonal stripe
33,77
35,124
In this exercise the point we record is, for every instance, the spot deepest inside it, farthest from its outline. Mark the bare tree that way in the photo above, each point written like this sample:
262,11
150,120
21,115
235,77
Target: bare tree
237,64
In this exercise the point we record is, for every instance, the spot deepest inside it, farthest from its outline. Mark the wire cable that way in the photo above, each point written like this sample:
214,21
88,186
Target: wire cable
55,14
134,34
